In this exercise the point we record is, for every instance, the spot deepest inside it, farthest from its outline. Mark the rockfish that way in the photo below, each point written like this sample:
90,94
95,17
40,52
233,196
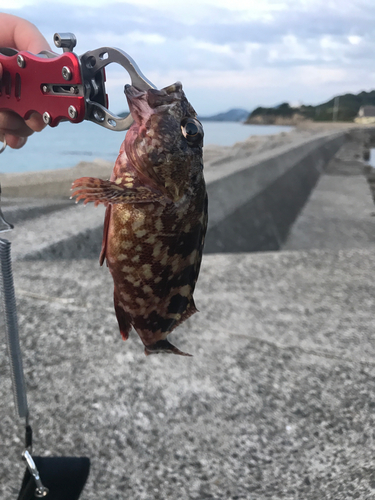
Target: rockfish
156,215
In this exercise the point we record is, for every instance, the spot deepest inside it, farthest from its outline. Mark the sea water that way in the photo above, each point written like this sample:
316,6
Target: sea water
67,144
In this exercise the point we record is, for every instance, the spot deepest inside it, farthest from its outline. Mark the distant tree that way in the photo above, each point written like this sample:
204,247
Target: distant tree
348,107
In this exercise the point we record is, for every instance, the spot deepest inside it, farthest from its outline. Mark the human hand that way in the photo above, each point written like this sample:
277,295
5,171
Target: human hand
20,35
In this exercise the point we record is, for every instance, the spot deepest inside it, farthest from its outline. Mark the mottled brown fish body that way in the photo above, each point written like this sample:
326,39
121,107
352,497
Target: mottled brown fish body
154,268
156,216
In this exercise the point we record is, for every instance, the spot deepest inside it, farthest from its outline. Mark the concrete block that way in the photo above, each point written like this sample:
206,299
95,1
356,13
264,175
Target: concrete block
252,205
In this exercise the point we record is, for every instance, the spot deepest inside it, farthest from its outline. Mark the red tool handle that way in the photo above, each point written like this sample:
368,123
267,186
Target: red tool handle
51,86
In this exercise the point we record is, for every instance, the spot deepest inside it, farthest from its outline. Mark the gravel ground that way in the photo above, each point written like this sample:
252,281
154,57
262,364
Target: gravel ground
276,403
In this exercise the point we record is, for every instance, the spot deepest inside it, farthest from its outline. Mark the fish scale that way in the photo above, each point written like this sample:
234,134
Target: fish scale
156,216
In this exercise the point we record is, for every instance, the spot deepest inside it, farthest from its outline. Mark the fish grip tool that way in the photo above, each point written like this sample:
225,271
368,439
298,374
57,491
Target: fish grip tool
65,87
53,478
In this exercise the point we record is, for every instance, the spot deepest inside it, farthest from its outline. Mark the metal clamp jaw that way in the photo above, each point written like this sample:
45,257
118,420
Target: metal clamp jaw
92,64
65,87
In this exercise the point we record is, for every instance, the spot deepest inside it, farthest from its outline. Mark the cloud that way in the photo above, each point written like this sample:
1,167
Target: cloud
213,39
273,49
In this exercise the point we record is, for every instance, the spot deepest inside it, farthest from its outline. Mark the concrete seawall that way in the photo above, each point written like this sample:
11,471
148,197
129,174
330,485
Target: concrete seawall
253,202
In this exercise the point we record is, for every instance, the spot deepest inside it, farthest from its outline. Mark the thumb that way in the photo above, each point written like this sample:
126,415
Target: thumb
1,71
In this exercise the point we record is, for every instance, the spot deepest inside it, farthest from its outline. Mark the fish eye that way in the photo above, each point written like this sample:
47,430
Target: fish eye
192,130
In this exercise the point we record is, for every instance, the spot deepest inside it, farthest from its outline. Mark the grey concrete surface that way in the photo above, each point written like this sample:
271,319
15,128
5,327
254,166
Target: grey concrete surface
52,183
370,177
340,211
71,231
253,201
339,214
19,210
276,403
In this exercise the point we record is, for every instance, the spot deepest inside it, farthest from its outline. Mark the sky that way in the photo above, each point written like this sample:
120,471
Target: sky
227,53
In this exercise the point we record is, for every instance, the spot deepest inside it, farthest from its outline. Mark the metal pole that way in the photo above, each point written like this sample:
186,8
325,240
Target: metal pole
11,329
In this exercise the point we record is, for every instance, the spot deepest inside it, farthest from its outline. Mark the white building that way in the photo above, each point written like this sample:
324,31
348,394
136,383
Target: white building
366,114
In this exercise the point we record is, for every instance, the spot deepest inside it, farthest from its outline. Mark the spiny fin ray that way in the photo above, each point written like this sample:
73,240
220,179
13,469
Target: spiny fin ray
91,189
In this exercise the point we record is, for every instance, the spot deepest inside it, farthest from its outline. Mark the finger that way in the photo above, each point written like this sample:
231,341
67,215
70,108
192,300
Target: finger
35,122
13,124
21,34
14,141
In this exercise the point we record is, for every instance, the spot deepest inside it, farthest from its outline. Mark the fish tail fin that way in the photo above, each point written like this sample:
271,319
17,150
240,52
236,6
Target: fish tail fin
163,346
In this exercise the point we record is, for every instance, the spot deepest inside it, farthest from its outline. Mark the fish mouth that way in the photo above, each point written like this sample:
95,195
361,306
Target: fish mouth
142,103
132,92
137,101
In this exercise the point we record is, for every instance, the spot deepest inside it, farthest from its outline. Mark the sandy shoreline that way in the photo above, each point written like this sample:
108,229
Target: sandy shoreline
56,183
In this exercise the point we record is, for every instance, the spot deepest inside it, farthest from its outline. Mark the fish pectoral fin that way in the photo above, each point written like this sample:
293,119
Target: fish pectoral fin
108,192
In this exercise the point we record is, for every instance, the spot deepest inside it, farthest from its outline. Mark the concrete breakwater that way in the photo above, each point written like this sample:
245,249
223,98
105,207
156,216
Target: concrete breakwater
253,200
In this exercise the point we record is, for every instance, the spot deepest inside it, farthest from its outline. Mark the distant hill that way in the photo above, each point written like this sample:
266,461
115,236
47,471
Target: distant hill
233,115
347,109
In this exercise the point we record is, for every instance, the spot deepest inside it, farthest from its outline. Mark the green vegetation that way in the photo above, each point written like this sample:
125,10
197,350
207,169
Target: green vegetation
348,107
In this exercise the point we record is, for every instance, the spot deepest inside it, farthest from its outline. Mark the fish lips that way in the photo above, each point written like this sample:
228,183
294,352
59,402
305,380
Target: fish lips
132,92
142,103
138,105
